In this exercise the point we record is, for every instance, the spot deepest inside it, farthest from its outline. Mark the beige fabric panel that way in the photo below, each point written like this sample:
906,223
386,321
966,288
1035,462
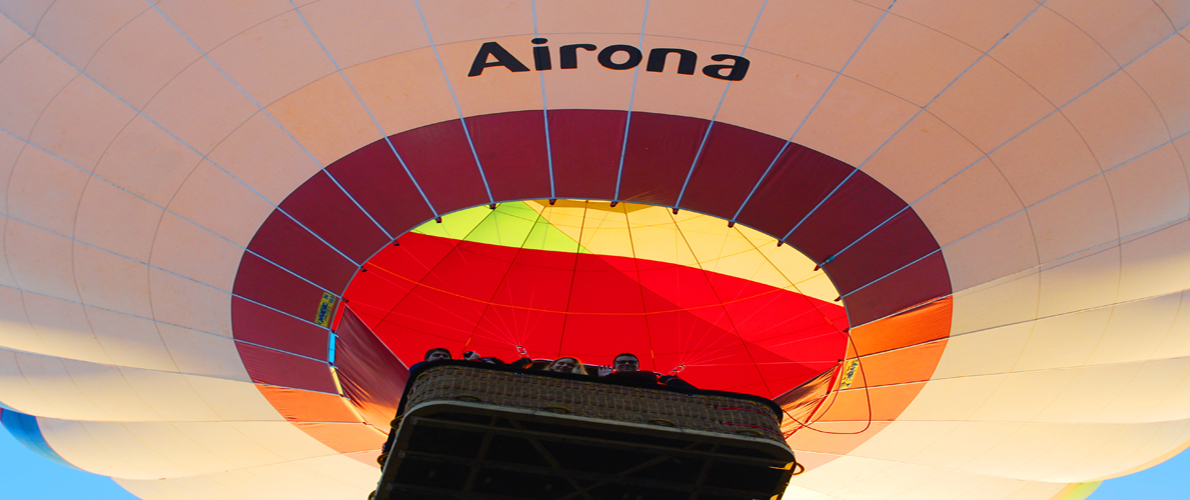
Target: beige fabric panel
859,478
46,326
78,390
1140,391
1049,170
152,450
324,478
1065,453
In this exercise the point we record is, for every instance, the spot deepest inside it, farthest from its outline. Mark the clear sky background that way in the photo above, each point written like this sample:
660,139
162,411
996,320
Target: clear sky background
25,475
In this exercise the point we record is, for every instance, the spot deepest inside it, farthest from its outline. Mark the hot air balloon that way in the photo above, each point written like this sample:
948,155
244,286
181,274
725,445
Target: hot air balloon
949,237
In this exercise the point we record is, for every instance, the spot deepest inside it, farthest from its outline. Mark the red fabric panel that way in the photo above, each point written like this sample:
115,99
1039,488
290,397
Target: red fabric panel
267,366
286,244
586,146
377,181
511,148
921,282
336,219
268,284
902,240
800,179
660,152
732,161
264,326
856,207
729,332
441,160
371,376
393,272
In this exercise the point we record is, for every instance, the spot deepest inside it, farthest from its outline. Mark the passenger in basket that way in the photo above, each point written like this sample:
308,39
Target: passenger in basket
435,354
567,365
626,368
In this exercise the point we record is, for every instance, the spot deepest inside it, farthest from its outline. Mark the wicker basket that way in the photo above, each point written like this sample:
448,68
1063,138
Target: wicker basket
699,412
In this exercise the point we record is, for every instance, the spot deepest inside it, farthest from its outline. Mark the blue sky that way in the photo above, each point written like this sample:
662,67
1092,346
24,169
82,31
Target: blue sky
27,476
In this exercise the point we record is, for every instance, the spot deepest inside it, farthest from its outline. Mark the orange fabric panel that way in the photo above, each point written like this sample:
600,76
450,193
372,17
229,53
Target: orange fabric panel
887,403
365,457
304,406
911,364
344,438
921,324
837,438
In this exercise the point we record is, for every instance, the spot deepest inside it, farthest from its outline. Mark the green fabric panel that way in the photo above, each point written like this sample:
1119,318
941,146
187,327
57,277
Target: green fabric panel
455,225
508,225
513,224
547,237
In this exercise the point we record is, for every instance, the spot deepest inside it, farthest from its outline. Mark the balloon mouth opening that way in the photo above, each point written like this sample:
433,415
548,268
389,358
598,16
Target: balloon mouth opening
721,302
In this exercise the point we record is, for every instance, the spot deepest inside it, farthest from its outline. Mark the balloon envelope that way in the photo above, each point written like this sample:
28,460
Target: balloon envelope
961,225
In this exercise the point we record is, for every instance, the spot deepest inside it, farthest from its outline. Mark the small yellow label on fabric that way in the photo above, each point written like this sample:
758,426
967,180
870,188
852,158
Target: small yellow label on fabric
326,310
849,369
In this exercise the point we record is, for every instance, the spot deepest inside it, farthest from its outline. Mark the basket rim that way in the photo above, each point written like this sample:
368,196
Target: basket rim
425,367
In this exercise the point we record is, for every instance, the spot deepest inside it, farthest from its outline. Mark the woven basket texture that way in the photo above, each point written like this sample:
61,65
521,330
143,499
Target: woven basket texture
717,414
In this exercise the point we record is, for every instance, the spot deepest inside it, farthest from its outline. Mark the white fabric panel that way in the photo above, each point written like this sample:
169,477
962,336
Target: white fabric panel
1071,350
1141,391
77,390
1026,451
1157,327
152,450
326,478
859,478
31,75
11,35
59,328
80,123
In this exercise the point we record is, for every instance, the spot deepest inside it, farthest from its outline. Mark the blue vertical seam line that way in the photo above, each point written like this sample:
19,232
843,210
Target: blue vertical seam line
1018,134
367,110
455,97
631,98
715,116
330,354
545,112
906,124
810,113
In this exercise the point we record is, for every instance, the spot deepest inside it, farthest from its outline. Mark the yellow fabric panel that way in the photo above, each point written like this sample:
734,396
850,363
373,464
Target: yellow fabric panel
689,239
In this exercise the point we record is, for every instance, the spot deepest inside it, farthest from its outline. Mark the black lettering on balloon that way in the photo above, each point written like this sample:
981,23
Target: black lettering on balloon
685,64
569,54
737,70
541,55
503,58
634,57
